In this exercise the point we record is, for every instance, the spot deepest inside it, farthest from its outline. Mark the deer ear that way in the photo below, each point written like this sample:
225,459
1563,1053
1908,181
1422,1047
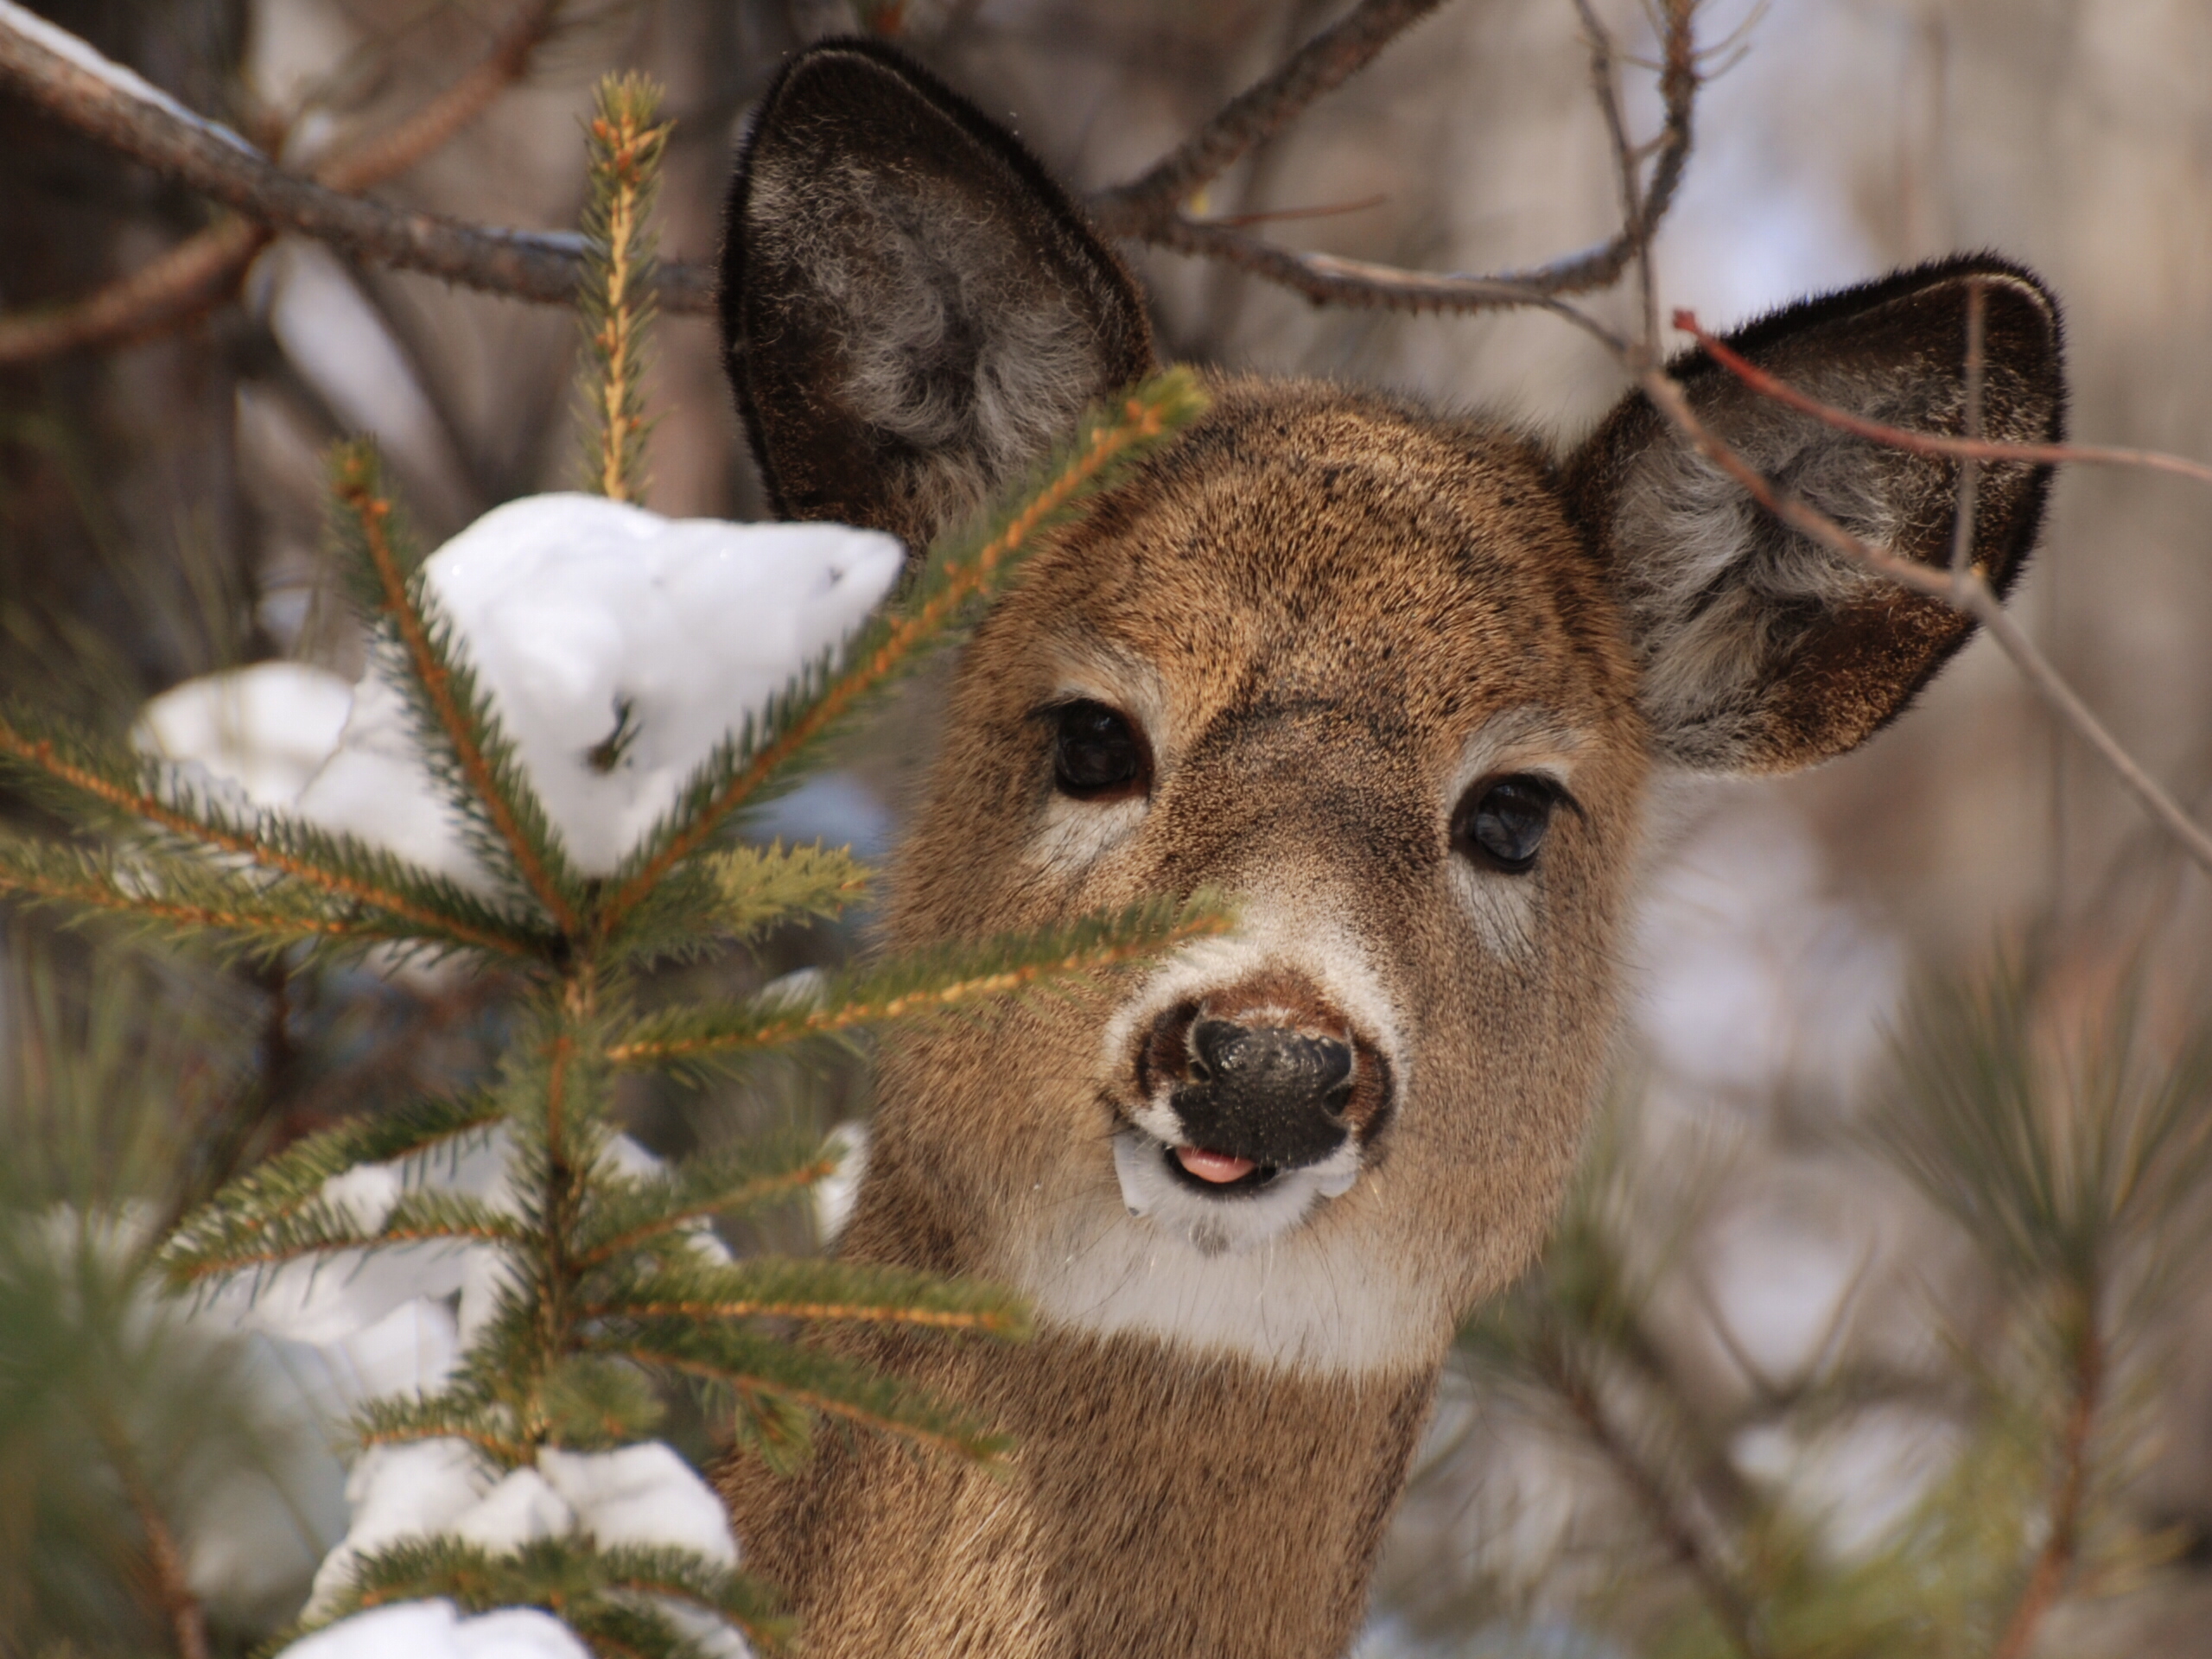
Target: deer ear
1760,651
911,309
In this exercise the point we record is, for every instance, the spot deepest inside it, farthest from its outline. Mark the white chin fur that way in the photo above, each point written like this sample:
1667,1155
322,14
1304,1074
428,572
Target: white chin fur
1234,1222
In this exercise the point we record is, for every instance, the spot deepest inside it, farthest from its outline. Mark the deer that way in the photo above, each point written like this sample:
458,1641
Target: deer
1400,681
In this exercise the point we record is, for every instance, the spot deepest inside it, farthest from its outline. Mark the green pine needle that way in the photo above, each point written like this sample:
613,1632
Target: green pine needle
967,567
469,754
748,1366
628,1214
919,986
862,1292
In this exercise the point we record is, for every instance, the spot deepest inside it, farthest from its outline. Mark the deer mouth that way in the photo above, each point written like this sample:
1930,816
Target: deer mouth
1222,1172
1220,1202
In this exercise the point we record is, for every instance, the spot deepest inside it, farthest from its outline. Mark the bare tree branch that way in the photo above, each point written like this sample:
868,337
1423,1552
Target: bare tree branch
204,271
168,291
1256,115
1140,211
98,98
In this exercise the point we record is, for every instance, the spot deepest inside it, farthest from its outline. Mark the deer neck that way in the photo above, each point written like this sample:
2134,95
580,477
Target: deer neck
1158,1501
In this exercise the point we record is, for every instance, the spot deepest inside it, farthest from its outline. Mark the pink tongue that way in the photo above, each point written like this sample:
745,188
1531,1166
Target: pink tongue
1216,1167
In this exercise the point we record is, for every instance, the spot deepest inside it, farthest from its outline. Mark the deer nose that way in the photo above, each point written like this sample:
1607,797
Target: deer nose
1267,1093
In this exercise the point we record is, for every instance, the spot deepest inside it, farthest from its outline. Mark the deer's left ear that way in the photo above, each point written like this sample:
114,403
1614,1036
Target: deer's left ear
1760,651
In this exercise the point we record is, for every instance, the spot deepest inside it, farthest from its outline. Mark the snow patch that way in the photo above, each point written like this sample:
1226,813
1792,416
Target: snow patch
618,648
437,1629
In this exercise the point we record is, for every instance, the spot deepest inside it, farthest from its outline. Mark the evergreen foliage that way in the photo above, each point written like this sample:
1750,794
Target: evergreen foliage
2075,1172
610,1285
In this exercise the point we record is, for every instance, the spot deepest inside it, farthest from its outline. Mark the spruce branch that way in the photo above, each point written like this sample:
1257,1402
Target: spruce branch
814,1290
455,719
88,781
627,1215
925,983
625,141
292,1181
753,1369
966,566
765,887
228,1245
604,1594
400,1419
179,899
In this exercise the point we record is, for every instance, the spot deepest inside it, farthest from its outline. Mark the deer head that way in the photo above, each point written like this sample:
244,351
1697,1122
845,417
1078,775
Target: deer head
1397,680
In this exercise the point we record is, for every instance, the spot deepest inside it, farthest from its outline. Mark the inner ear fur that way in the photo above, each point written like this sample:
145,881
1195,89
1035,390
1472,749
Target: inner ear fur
1761,651
911,309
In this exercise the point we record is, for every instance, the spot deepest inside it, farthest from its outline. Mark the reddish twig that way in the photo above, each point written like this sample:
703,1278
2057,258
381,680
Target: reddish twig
1928,443
1966,591
165,1562
2061,1543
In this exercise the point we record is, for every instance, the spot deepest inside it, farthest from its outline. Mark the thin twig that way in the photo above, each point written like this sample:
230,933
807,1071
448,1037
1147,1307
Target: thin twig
1604,82
1256,115
172,1582
2062,1542
1150,210
1968,592
1970,469
520,264
183,282
1929,443
1682,1537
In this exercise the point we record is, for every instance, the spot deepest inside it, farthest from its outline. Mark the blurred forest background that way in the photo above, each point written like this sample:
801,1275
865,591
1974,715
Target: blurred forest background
1804,1335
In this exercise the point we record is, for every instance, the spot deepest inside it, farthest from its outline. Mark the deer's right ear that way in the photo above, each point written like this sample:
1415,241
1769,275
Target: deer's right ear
911,309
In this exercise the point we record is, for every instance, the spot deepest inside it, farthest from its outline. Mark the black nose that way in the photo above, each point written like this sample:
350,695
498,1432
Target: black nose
1266,1093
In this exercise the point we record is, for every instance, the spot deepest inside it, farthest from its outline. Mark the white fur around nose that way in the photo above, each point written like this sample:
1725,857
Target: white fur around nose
1231,1222
1283,1274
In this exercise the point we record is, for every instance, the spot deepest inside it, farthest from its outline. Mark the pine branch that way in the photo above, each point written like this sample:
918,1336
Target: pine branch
460,731
402,1420
701,907
180,899
228,1243
88,781
765,887
292,1180
754,1369
627,1215
966,567
599,1592
815,1290
926,983
615,300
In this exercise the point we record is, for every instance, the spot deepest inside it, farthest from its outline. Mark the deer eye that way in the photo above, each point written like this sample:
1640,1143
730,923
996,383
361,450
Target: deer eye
1098,754
1501,822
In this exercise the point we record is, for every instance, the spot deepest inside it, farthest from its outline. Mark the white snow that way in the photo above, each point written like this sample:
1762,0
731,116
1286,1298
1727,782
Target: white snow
437,1629
643,1494
266,728
618,648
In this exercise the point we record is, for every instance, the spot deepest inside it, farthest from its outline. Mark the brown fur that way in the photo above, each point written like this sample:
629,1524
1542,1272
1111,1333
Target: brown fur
1330,613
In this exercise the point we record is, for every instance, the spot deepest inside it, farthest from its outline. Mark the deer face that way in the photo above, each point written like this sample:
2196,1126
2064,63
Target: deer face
1395,682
